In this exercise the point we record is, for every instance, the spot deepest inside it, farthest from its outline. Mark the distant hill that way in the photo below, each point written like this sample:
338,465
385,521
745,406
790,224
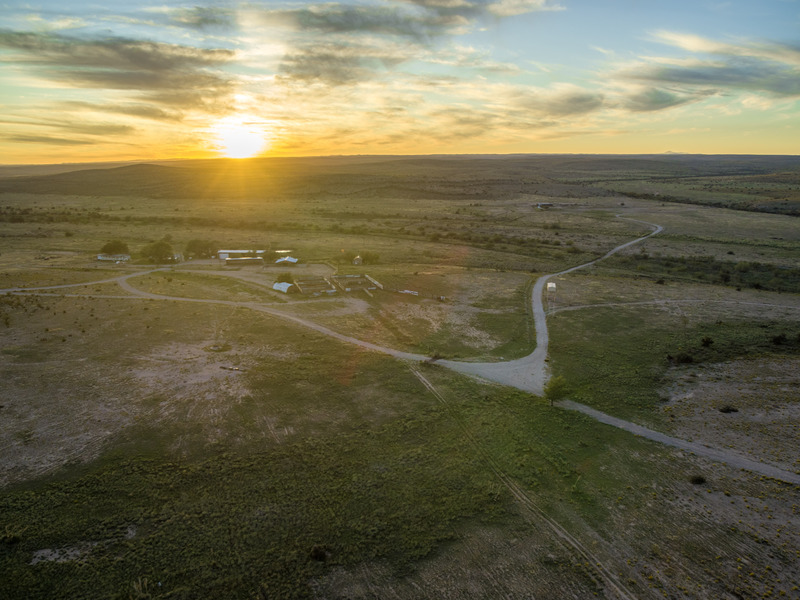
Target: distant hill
412,176
34,170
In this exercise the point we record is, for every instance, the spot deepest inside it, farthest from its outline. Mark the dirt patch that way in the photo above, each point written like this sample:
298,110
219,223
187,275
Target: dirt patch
751,406
180,369
62,555
57,412
432,317
61,411
339,306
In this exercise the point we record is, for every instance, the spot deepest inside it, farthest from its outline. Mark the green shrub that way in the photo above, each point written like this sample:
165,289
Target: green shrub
115,247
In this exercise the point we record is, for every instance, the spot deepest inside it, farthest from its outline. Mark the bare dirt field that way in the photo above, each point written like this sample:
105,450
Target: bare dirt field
751,406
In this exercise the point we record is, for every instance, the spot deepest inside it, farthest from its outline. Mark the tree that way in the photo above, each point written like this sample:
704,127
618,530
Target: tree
158,252
555,389
201,248
115,247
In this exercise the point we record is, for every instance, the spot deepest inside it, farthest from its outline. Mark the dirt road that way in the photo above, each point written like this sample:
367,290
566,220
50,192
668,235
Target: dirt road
732,459
530,372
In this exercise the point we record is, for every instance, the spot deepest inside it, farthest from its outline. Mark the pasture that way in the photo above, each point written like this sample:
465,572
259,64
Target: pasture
173,431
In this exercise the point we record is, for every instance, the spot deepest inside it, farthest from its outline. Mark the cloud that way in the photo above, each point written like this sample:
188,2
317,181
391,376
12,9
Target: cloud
45,139
383,20
480,8
341,63
151,69
115,53
651,99
786,53
204,17
511,8
753,67
468,58
141,110
99,129
742,74
52,127
363,41
561,101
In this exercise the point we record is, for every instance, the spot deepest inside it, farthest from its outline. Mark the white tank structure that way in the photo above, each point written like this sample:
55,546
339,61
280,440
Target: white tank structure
551,296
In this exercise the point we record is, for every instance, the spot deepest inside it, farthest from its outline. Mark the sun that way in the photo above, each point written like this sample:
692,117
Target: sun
237,137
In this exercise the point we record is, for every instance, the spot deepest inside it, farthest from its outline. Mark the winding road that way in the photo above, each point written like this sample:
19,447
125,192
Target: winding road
529,373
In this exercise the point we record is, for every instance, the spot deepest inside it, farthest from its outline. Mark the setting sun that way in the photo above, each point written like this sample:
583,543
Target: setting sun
238,138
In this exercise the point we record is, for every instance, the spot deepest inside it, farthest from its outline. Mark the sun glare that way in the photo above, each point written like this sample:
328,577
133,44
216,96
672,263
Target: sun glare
238,137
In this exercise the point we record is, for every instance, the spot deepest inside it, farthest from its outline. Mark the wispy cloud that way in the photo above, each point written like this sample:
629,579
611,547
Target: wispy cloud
153,70
771,51
142,110
363,41
109,53
49,140
204,17
748,66
385,20
653,99
479,8
339,63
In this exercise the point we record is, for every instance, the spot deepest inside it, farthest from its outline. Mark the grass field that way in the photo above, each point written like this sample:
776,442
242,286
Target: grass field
160,437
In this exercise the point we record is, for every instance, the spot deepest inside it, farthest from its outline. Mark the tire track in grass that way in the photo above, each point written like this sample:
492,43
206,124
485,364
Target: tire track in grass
600,574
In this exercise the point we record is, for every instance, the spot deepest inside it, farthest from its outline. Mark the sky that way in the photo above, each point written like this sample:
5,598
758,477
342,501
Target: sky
139,80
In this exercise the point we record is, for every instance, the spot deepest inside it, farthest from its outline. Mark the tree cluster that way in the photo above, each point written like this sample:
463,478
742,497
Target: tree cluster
201,248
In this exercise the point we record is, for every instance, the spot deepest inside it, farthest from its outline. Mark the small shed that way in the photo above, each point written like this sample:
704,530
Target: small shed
358,260
283,260
551,287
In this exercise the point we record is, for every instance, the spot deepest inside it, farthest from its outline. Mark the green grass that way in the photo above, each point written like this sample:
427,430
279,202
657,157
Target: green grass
614,359
231,521
198,285
756,275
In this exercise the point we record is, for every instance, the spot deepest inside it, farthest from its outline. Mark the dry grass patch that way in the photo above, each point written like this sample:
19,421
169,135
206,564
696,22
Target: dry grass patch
751,406
196,285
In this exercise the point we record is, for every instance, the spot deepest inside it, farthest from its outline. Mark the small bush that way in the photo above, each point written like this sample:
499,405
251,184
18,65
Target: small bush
706,342
779,339
728,409
318,553
556,389
697,479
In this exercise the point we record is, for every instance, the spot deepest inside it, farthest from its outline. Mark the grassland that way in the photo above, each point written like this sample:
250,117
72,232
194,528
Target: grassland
161,438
